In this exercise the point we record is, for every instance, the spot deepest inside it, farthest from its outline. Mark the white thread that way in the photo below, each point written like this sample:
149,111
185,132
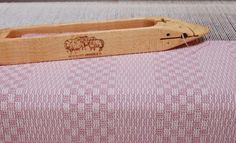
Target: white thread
184,40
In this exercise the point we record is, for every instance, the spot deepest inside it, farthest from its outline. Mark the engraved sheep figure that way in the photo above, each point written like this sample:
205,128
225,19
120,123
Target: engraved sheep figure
96,43
74,45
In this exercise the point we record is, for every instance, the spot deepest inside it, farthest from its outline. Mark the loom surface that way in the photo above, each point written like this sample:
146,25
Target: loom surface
182,95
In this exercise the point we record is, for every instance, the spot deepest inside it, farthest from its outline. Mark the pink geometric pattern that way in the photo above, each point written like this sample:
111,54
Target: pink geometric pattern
179,70
88,106
182,95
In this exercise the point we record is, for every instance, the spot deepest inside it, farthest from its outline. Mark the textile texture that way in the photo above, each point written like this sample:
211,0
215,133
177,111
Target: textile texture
182,95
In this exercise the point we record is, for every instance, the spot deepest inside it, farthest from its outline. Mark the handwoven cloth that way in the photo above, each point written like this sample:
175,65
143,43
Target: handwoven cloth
181,95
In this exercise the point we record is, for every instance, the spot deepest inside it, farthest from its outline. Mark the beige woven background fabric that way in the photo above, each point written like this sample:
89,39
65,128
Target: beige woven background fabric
220,16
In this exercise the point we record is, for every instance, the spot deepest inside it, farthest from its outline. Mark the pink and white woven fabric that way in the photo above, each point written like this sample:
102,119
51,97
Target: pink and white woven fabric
181,95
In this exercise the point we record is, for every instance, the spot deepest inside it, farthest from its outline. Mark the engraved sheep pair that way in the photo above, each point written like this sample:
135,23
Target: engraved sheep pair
82,43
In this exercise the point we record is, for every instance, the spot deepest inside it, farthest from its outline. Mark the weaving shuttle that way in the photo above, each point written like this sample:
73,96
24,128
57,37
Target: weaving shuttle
94,39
